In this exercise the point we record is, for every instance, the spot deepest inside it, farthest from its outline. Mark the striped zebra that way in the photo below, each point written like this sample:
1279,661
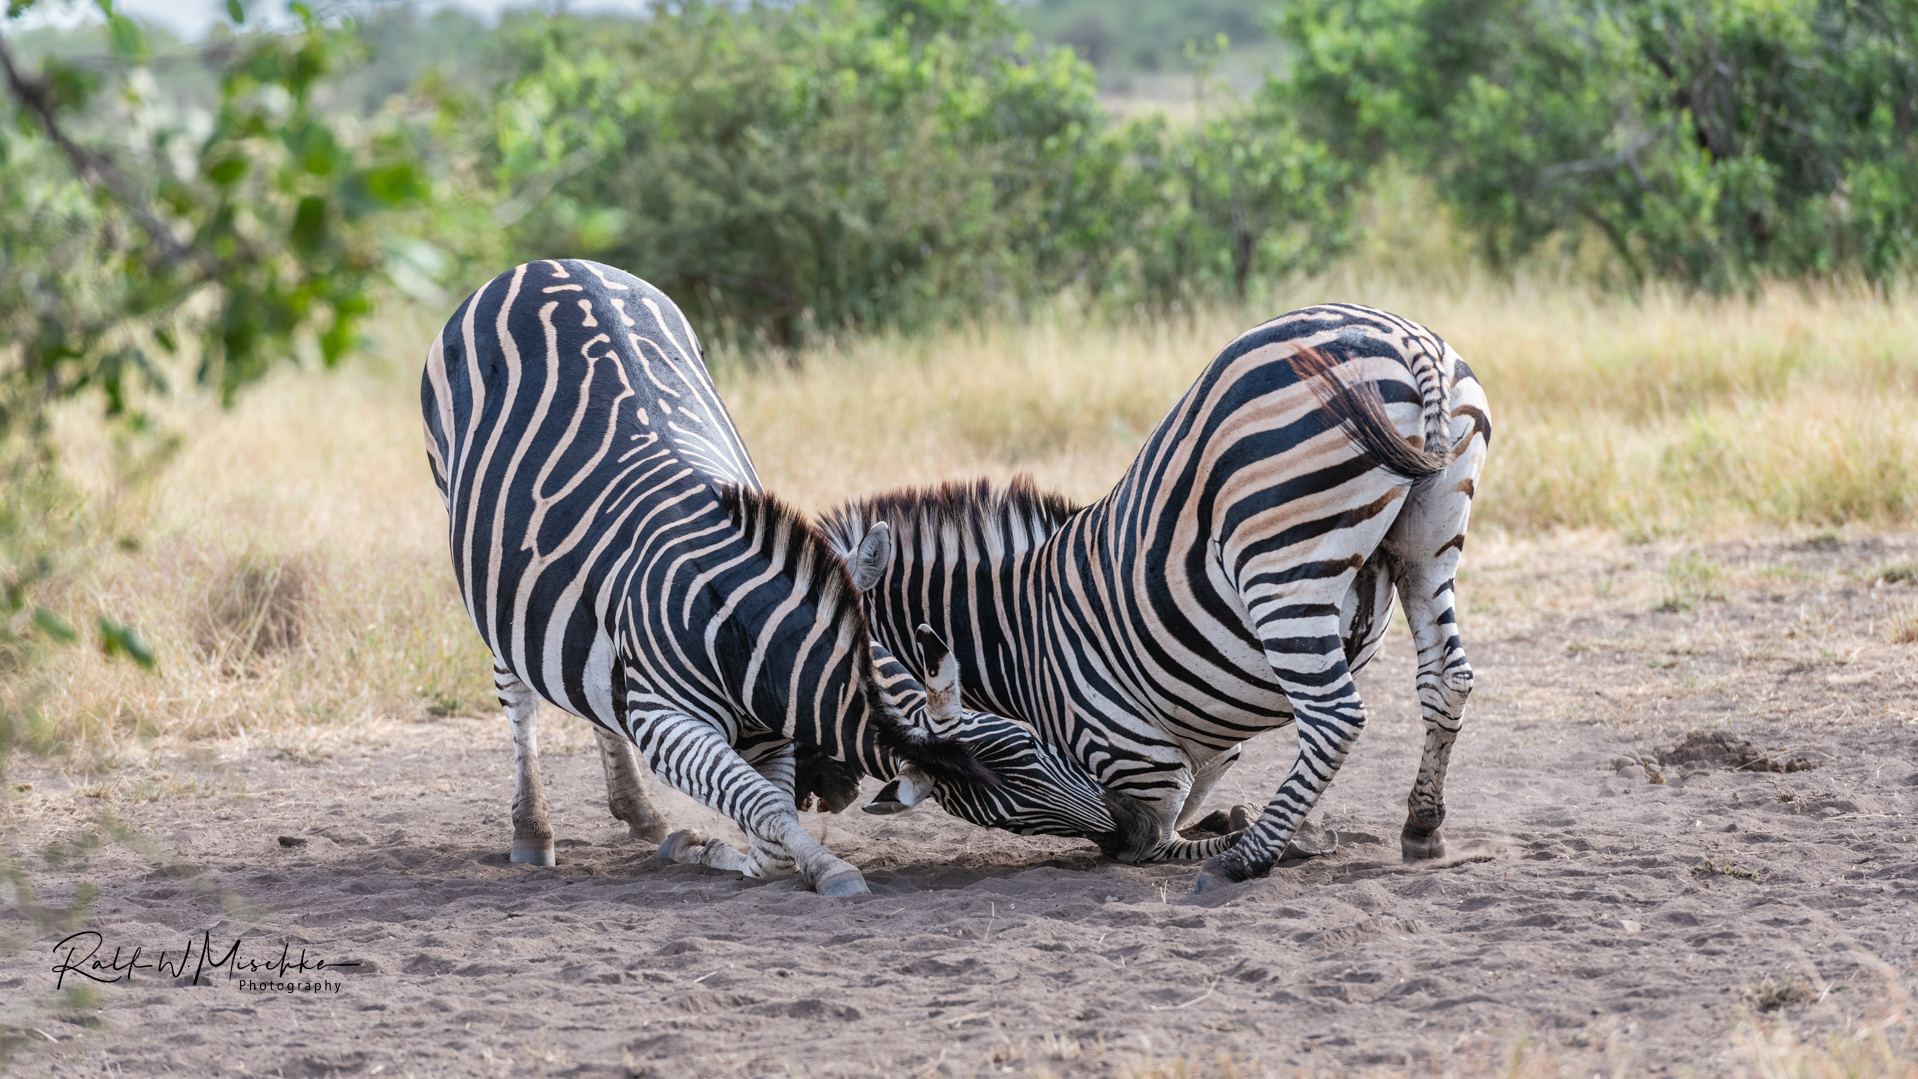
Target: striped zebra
1233,581
616,553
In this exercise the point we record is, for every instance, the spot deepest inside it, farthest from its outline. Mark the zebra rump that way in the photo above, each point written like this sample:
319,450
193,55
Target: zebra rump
616,553
1319,469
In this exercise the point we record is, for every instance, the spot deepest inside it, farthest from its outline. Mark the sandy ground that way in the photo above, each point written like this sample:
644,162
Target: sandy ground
1595,913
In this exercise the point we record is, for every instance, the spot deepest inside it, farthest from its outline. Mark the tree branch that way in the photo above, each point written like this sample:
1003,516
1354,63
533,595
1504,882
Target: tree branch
96,169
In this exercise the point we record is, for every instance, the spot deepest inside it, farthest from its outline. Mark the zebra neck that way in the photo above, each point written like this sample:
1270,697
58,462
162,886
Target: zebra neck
1007,599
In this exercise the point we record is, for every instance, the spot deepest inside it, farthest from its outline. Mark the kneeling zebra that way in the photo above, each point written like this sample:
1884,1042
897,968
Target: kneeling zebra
615,551
1243,568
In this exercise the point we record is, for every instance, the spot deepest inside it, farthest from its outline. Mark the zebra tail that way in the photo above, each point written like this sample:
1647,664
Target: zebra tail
1360,411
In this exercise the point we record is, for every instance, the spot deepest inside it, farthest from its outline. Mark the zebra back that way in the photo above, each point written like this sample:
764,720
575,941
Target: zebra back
609,533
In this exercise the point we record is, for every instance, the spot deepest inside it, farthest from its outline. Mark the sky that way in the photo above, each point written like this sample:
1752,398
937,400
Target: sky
191,18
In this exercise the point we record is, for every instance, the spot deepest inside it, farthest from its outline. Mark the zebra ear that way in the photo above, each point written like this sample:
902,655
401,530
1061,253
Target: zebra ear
942,680
869,562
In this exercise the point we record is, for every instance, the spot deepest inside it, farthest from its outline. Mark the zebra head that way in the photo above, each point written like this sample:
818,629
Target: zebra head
1040,792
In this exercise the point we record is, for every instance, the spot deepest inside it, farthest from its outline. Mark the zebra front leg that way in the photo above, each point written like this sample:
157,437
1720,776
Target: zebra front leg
532,831
1328,717
771,755
625,790
696,758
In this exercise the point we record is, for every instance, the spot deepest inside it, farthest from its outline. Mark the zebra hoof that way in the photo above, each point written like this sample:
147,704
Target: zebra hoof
1311,840
653,832
843,883
1210,882
533,853
1421,846
677,847
887,801
1243,816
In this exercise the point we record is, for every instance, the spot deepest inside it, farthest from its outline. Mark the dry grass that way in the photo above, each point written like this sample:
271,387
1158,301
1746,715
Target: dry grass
1660,415
292,576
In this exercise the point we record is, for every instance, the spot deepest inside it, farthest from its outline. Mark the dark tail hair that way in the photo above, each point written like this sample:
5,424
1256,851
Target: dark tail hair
1361,413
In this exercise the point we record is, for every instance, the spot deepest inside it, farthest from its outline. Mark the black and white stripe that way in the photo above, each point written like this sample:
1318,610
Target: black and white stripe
617,555
1231,583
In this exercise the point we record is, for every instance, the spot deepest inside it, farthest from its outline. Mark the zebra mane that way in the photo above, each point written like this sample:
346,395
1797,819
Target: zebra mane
1016,517
808,556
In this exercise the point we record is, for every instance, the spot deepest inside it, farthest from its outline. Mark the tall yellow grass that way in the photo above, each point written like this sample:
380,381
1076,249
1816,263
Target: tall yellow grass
312,498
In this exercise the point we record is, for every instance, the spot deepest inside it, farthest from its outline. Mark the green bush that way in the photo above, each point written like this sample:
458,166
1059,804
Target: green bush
141,235
784,171
781,170
1711,141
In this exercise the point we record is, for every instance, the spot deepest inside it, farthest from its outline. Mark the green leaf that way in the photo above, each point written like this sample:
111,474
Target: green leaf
236,11
394,184
55,626
309,224
117,639
70,84
227,171
129,41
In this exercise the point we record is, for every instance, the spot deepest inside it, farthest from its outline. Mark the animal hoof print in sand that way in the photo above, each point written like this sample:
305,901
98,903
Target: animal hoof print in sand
1422,846
533,854
1219,872
843,883
674,847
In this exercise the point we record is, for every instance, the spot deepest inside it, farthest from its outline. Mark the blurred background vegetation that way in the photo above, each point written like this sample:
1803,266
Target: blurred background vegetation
1678,233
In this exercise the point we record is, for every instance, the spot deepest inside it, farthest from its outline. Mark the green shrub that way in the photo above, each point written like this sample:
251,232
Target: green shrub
1709,141
785,171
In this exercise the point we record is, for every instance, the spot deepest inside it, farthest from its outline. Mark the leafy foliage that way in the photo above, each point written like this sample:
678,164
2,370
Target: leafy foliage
139,236
784,171
1706,140
1142,35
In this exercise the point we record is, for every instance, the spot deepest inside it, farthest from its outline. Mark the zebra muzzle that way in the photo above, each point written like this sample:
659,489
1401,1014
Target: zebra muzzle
1135,832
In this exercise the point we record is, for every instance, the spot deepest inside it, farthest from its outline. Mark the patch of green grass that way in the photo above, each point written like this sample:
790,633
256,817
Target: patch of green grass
1690,579
1721,865
1892,573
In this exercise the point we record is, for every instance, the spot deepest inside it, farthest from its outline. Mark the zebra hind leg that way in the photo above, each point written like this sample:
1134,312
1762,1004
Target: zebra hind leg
1426,544
1328,716
1444,683
532,829
626,789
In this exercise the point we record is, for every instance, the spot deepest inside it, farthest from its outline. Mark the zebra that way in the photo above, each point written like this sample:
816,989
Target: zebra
1233,581
616,552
